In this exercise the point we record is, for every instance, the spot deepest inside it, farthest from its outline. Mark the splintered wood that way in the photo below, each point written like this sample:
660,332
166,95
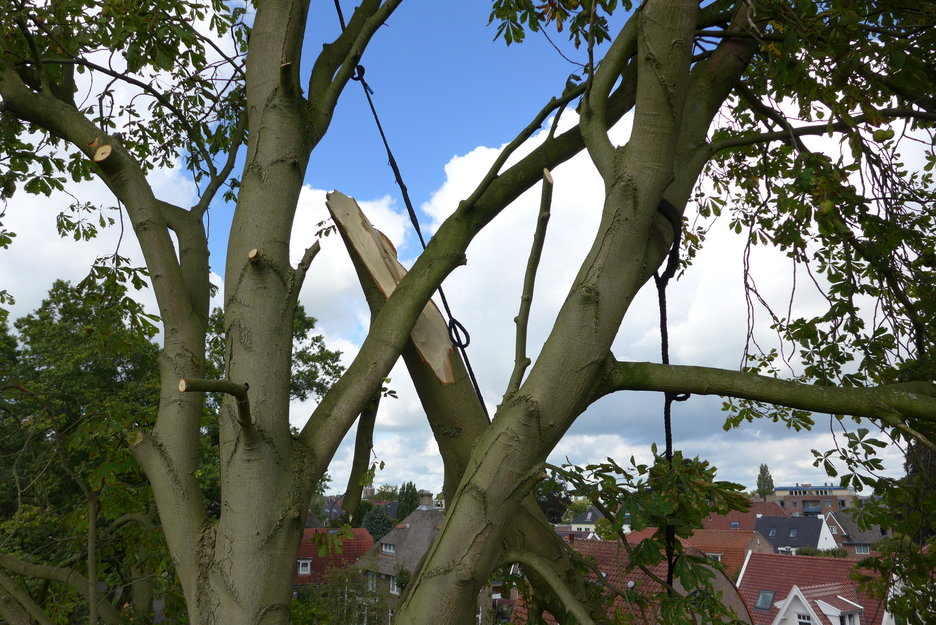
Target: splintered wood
377,254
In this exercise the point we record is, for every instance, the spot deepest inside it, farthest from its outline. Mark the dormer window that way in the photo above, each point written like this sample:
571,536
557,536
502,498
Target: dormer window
387,548
735,525
305,567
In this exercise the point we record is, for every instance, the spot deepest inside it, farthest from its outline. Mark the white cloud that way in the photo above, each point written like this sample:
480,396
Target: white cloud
707,323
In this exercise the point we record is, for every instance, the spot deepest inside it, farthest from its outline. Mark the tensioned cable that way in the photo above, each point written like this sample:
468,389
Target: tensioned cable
672,262
458,334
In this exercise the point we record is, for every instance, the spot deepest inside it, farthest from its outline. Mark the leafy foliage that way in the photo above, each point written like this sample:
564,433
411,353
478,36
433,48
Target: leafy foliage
677,495
765,485
79,378
553,499
377,521
408,501
343,598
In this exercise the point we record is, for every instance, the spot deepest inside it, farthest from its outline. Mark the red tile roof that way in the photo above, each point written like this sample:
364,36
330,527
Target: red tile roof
732,544
840,596
351,549
780,572
611,559
745,520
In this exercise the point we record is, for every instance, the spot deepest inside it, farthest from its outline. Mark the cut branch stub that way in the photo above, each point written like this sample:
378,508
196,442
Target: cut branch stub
101,153
377,254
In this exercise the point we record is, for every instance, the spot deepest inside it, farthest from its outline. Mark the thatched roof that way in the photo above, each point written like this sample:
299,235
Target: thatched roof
410,539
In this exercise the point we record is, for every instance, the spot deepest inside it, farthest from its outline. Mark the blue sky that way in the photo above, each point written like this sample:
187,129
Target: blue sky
449,97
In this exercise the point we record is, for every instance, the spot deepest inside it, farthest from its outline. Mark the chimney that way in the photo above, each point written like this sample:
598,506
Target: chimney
425,500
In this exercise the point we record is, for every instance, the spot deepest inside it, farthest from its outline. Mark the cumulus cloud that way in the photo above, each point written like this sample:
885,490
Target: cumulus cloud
708,321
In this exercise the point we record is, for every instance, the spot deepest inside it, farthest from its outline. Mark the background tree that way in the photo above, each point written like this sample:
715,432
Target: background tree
765,485
377,521
732,91
408,501
387,492
77,376
342,598
553,499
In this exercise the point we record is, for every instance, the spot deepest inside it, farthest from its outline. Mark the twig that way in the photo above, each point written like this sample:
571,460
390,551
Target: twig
526,133
521,360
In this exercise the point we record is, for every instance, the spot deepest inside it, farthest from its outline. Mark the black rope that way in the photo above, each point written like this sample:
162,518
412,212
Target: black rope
457,332
672,263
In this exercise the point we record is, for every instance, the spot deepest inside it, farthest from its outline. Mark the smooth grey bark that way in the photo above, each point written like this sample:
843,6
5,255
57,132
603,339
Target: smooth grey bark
507,459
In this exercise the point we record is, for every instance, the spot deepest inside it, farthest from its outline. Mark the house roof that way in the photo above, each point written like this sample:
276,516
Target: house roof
745,520
778,573
792,531
410,539
611,559
853,533
587,518
731,544
351,549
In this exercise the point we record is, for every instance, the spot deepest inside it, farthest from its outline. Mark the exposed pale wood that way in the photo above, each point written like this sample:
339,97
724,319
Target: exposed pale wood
102,153
430,335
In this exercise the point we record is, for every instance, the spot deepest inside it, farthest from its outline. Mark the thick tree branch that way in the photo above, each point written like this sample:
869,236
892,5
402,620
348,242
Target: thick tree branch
594,117
363,445
303,267
892,404
17,606
337,63
74,580
545,571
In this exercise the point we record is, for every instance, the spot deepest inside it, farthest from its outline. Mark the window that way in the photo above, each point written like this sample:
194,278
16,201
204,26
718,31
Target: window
371,581
394,588
387,548
793,532
842,503
832,529
782,503
827,502
764,599
773,531
305,567
795,503
735,525
714,556
803,619
862,549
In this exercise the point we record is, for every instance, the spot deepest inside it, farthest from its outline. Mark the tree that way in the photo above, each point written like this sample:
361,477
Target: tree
342,598
377,521
765,485
77,376
732,92
553,499
408,501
